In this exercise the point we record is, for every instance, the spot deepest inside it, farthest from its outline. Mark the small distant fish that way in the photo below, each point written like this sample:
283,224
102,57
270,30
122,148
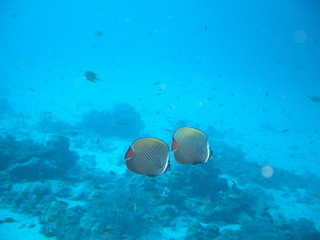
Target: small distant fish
134,206
72,133
9,220
191,146
285,130
197,204
62,203
22,226
266,94
31,225
153,219
96,198
148,156
96,187
91,76
108,234
203,28
49,235
98,33
314,98
172,107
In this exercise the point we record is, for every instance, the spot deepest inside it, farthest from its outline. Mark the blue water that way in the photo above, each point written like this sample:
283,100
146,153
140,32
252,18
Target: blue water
245,73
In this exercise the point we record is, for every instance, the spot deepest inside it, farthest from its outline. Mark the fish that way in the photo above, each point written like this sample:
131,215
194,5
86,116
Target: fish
98,33
197,204
108,234
49,234
96,198
9,220
313,98
91,76
266,94
148,156
191,146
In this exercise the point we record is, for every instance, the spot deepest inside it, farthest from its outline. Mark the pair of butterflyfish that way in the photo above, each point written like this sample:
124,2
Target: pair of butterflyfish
150,156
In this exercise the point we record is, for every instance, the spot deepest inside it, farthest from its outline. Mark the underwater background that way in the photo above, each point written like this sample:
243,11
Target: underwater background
246,73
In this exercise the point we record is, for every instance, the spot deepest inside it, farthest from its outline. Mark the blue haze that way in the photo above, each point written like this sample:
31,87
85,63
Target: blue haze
244,68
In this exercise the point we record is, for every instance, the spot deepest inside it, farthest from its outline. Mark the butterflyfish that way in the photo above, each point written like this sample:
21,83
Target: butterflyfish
148,156
191,146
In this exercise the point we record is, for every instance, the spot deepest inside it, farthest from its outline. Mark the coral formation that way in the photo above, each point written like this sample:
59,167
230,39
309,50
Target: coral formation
73,200
123,122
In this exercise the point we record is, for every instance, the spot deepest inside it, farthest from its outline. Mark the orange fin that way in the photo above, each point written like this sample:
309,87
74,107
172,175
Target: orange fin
129,153
174,144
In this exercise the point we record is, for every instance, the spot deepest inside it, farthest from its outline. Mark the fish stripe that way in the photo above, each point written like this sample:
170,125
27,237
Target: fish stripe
193,146
150,157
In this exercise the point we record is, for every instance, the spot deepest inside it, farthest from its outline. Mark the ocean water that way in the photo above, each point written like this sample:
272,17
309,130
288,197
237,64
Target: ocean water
245,73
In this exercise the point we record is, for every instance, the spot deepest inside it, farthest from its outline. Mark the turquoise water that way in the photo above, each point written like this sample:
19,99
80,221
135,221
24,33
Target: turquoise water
245,73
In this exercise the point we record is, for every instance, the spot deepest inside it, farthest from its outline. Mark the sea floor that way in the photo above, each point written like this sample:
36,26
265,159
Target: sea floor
106,156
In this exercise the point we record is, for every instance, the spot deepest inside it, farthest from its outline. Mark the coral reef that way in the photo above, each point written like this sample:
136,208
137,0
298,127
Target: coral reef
233,162
73,200
123,122
26,160
49,124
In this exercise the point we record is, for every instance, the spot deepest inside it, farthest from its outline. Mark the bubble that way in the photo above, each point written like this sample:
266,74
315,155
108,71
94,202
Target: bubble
266,171
299,36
